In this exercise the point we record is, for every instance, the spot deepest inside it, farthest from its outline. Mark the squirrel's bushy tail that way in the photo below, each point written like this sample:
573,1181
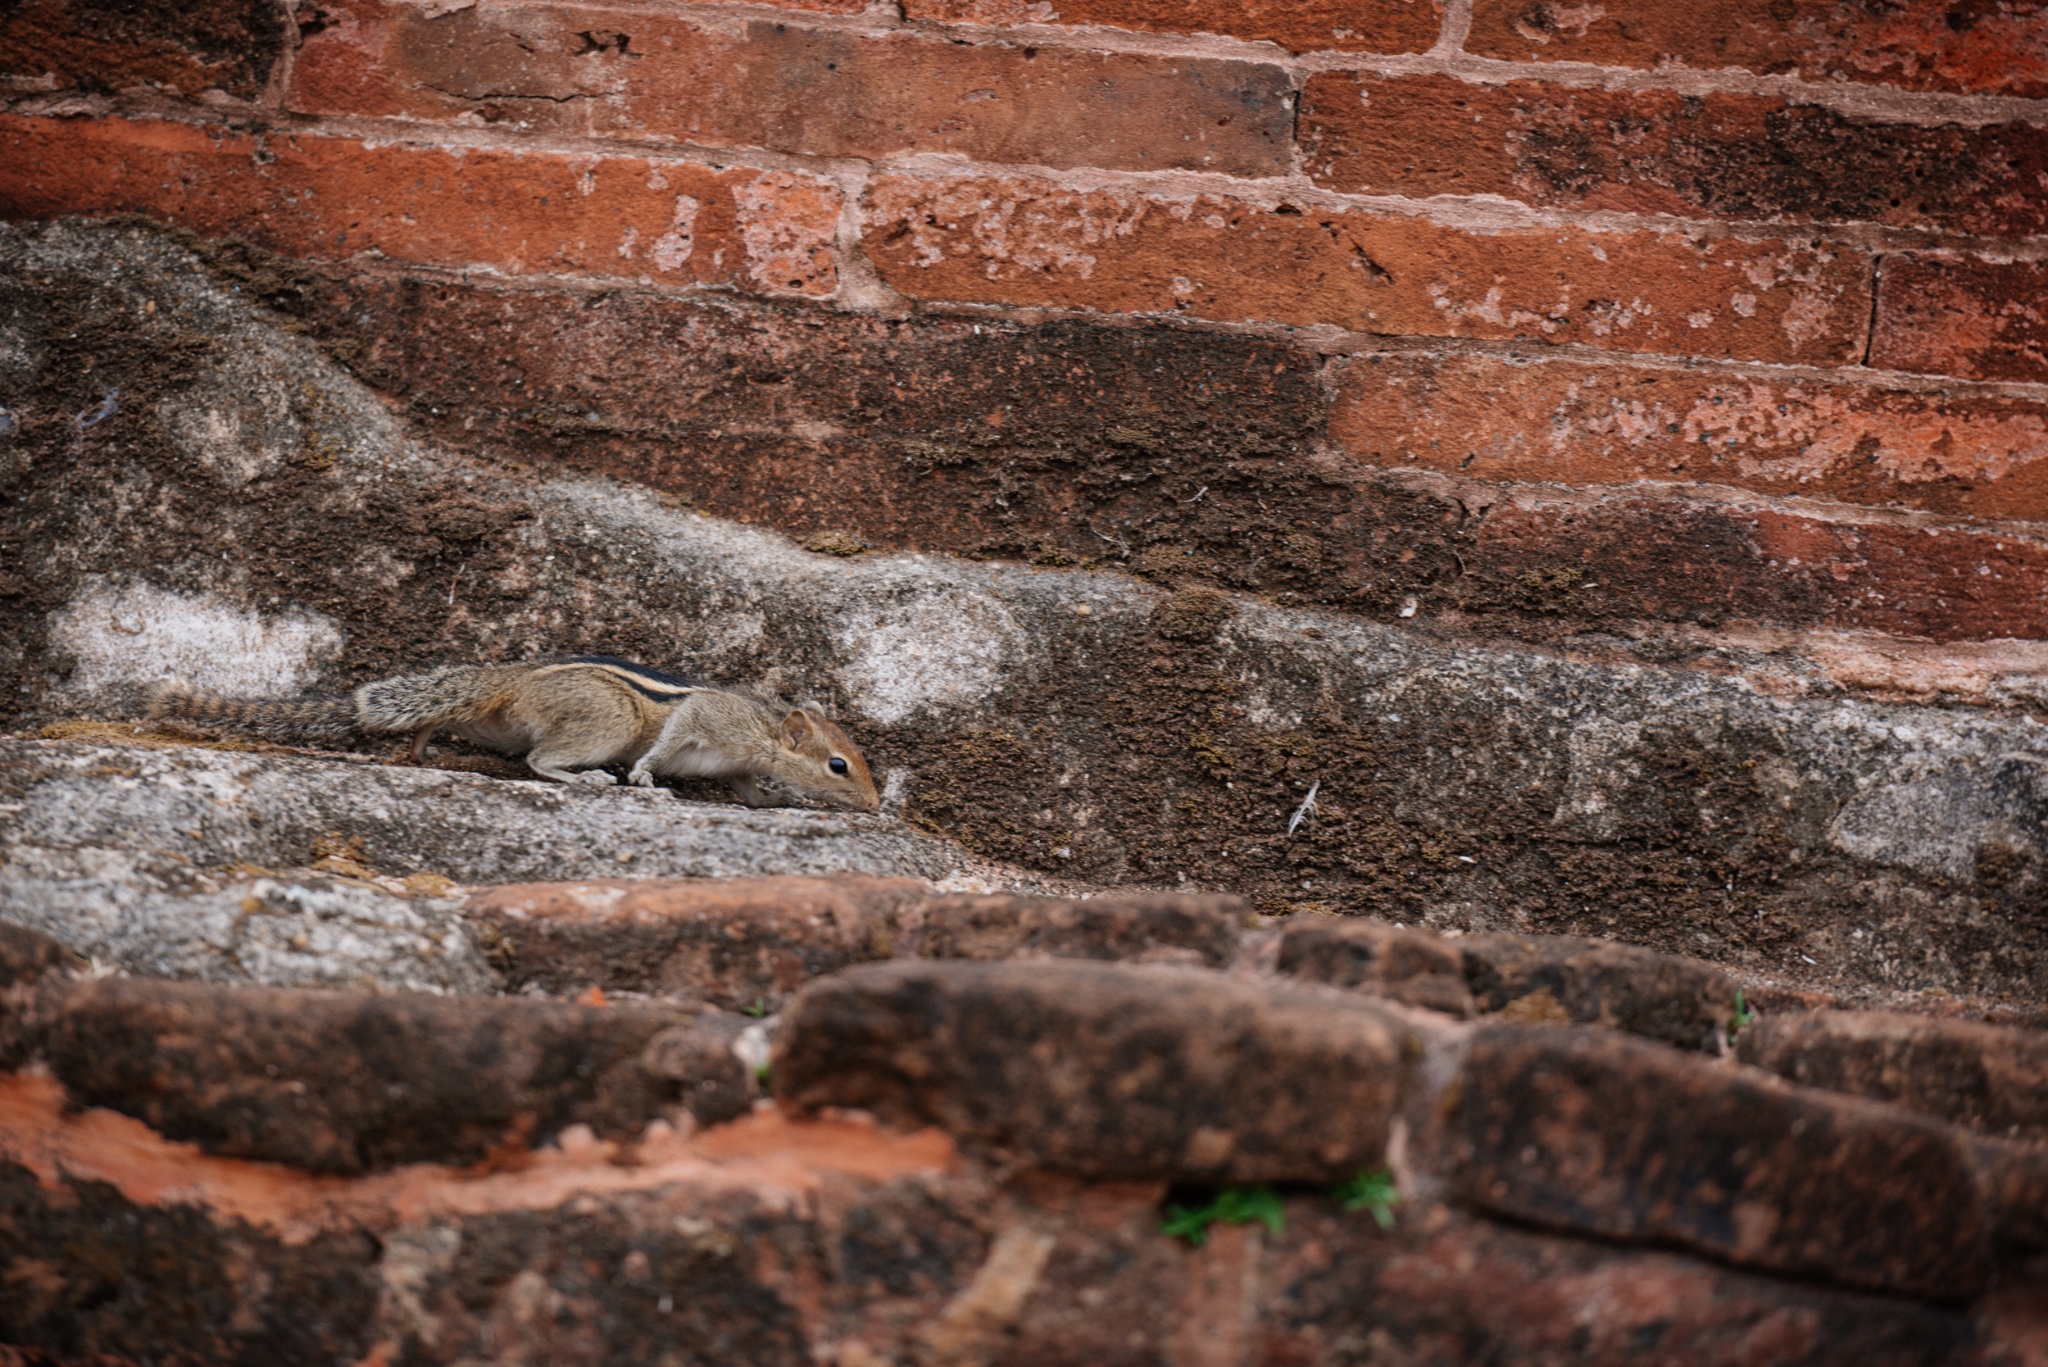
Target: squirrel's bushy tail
287,720
450,693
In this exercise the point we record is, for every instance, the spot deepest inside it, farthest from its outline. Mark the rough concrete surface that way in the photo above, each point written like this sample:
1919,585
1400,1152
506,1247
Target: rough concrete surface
1165,735
157,915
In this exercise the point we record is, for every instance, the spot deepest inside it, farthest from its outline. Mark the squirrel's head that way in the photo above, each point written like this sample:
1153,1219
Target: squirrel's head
818,761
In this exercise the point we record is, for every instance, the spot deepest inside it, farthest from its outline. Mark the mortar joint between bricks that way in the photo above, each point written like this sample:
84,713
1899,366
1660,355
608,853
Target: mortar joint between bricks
1483,214
1445,57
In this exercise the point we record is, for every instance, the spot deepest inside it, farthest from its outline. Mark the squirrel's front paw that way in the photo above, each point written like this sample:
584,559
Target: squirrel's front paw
641,778
597,778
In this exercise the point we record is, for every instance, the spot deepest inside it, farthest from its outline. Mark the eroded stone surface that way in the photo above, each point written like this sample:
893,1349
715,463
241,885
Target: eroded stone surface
215,808
155,914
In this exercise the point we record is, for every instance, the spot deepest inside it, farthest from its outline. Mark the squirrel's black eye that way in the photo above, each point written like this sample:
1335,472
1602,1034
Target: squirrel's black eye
837,766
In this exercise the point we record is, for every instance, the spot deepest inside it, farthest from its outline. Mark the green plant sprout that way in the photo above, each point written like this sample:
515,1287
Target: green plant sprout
1232,1206
1743,1015
758,1009
1373,1191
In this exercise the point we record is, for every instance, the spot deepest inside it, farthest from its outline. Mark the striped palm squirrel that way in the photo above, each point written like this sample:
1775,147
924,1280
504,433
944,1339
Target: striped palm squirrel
571,715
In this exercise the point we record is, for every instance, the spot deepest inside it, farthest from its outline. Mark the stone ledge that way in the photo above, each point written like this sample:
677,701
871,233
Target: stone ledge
1507,788
213,808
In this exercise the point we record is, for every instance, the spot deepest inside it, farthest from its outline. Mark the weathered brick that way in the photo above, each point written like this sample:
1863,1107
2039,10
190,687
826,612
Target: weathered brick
1723,156
2014,1176
1998,49
1594,1131
1073,408
638,218
1298,25
1523,419
1680,560
1993,1078
748,943
1175,928
26,955
1409,966
694,1247
1017,241
1106,1071
117,1243
1447,1288
345,1082
1600,982
222,47
588,70
1982,320
734,942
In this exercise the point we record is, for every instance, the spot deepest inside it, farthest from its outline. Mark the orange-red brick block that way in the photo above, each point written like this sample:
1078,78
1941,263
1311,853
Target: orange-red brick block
596,71
1723,156
222,47
1954,315
518,213
1710,563
1998,48
1012,240
1298,25
1569,422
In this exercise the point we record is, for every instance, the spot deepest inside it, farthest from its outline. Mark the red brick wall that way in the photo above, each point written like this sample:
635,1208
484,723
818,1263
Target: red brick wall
1735,310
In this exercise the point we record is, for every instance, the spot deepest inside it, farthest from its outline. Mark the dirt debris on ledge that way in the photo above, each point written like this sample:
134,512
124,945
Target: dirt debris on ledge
251,519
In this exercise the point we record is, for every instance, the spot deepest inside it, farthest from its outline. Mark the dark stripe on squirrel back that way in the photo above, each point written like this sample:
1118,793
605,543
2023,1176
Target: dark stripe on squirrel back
657,684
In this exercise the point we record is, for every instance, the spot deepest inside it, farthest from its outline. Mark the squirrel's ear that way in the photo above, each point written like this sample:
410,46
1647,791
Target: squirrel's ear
797,728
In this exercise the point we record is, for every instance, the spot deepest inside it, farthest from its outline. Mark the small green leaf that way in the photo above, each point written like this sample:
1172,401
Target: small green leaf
1743,1015
758,1009
1232,1206
761,1077
1370,1191
1192,1225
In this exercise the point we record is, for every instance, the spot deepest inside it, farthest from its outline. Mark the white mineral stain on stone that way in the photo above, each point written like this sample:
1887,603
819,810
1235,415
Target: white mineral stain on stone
1938,823
935,650
673,247
237,422
140,634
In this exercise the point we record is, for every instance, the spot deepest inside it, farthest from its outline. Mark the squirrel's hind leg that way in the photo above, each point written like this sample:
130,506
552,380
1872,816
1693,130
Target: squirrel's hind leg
553,762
